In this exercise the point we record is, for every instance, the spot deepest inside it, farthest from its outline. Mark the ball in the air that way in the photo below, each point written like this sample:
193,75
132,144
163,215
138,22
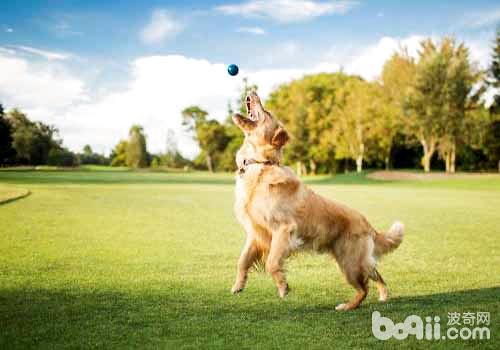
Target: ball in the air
232,69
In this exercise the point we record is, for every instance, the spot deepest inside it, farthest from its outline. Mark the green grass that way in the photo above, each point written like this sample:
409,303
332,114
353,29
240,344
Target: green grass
120,259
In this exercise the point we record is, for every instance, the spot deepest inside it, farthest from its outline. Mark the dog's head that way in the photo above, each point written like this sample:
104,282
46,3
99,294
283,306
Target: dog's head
264,135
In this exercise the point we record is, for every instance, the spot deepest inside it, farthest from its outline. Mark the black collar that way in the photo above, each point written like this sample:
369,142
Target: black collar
247,162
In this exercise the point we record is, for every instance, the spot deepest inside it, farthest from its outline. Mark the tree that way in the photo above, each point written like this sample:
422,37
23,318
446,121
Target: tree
155,163
492,144
7,153
426,100
87,150
119,154
90,157
209,133
397,77
306,106
441,98
356,113
459,99
288,104
32,140
62,157
493,77
136,148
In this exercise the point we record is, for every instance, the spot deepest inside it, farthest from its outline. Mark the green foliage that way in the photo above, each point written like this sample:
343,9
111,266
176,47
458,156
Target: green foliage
62,157
136,153
306,106
7,152
209,133
32,141
119,154
155,163
493,77
439,98
90,157
173,159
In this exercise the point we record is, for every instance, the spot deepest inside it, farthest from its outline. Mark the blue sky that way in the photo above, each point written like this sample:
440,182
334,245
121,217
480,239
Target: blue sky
95,67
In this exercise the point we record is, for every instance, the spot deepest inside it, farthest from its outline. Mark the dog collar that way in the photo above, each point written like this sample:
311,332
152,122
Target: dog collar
247,162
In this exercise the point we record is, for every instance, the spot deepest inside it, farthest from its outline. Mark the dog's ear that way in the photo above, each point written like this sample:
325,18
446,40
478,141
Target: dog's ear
280,137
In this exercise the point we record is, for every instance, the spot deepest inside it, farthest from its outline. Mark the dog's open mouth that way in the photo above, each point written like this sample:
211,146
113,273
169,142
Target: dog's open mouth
250,114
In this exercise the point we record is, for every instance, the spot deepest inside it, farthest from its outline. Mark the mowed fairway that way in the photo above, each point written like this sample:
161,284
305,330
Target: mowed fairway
118,259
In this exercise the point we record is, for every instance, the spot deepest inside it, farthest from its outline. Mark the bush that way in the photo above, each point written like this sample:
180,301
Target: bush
154,163
62,157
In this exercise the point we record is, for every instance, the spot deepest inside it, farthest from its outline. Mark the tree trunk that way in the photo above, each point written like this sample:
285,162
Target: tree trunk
429,149
312,164
499,166
447,158
359,163
452,158
299,168
209,163
387,161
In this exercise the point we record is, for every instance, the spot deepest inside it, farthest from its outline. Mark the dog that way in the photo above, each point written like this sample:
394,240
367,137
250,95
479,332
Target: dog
280,215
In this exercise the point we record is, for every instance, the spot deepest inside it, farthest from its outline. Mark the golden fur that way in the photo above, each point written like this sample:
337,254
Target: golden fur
281,215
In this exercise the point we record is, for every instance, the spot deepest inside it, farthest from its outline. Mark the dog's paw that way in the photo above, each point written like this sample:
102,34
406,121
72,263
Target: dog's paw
283,291
342,307
236,289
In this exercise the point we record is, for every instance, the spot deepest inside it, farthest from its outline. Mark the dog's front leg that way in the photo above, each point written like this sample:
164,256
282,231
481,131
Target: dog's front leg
248,256
280,247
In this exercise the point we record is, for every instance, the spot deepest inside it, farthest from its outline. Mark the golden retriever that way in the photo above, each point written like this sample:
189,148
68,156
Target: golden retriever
281,215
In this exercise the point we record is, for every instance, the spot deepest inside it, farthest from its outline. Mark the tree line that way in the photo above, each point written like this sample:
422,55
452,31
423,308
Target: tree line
427,111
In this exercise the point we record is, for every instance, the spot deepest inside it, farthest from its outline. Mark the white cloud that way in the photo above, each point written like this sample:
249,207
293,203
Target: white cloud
43,90
287,10
368,62
481,48
9,30
7,51
161,27
252,30
49,55
482,19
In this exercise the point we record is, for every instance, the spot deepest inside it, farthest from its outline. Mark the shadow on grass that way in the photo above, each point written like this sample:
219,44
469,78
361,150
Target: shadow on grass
188,317
21,193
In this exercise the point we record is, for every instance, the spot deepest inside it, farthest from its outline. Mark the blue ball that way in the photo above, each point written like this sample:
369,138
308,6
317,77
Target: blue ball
233,69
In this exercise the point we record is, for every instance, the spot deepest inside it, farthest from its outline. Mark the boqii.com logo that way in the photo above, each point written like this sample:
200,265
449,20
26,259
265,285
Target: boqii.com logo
468,325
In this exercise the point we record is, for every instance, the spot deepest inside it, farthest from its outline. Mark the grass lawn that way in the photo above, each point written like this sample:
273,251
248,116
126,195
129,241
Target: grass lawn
10,193
119,259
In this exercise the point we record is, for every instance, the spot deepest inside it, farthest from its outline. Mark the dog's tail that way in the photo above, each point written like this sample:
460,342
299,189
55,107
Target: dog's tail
390,240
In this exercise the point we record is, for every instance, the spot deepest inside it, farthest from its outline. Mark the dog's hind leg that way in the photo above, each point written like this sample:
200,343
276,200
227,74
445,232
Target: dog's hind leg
280,246
249,255
359,281
355,260
380,283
